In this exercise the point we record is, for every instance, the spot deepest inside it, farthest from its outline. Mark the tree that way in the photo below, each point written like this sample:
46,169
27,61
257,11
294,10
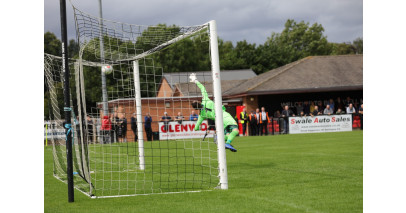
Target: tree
296,41
73,48
358,45
52,45
342,48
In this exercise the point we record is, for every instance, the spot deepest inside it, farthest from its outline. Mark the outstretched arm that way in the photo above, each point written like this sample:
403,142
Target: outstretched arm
193,79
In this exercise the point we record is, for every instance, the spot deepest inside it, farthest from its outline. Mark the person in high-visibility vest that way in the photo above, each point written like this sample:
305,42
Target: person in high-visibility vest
263,121
244,120
206,109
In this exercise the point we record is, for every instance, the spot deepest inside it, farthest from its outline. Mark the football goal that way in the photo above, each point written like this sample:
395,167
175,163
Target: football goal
132,119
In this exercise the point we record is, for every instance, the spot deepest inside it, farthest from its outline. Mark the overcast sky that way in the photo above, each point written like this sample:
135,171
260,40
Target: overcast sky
252,20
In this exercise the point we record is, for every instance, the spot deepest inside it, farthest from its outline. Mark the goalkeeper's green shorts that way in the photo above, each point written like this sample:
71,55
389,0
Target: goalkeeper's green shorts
229,129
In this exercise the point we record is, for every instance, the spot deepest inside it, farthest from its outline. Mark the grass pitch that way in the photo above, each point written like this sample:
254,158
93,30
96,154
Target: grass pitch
319,172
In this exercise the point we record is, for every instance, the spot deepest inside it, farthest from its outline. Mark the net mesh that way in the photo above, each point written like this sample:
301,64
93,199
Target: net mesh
107,146
54,79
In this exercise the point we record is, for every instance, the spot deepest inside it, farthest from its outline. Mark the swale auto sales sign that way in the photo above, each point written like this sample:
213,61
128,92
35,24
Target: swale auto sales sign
323,123
174,130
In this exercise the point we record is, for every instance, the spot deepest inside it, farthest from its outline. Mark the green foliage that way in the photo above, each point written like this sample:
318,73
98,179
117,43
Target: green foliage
296,41
342,49
358,44
52,45
346,48
73,49
242,56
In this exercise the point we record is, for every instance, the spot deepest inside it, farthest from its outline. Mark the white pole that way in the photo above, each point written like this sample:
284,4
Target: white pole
218,101
103,75
139,114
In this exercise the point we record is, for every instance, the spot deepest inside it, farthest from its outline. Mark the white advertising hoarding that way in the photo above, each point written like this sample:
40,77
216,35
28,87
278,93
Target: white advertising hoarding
323,123
180,131
54,130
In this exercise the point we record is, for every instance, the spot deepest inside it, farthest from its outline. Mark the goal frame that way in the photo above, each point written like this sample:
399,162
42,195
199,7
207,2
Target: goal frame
215,74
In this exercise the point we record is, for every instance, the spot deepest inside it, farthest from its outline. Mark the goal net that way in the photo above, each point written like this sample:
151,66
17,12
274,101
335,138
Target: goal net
134,126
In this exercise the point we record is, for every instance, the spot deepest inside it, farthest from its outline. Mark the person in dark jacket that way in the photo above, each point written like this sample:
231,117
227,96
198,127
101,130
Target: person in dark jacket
252,119
147,125
286,113
134,126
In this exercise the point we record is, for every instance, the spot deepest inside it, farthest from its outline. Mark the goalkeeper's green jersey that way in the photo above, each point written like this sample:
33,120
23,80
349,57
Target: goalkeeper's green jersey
208,112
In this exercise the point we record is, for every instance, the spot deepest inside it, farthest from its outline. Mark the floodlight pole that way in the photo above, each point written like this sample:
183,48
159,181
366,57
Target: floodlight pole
67,109
103,75
218,102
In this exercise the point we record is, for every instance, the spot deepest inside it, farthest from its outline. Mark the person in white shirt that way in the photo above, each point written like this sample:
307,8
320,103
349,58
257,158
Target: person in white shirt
351,109
328,110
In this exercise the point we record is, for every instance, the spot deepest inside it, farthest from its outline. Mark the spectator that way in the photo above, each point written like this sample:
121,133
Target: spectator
339,111
361,115
119,130
312,106
114,121
147,125
257,116
179,118
193,116
134,126
122,129
338,104
302,114
286,113
320,106
315,111
355,105
328,110
253,123
263,121
244,120
106,129
277,117
277,114
299,107
306,108
332,105
348,101
166,118
351,109
89,128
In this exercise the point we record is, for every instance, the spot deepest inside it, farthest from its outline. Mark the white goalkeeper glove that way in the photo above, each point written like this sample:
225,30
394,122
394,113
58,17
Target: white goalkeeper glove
193,78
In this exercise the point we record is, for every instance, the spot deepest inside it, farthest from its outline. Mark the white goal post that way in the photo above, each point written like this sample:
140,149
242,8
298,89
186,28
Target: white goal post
215,63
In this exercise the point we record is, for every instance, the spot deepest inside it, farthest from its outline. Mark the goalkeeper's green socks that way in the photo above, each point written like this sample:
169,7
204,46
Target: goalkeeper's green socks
225,137
232,136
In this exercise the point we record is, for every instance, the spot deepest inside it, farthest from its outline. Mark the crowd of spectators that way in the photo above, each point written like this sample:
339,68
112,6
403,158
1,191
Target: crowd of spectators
314,108
114,128
257,120
326,107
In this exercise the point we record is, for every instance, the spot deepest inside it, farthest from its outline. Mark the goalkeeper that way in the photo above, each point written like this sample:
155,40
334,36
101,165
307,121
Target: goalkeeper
206,109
